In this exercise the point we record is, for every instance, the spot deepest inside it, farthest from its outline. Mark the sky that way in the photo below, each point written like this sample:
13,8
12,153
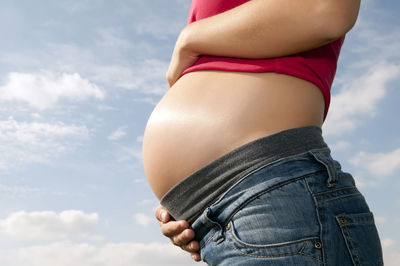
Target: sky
78,81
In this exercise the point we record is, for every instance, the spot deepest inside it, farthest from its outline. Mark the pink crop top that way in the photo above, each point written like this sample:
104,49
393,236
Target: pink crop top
317,66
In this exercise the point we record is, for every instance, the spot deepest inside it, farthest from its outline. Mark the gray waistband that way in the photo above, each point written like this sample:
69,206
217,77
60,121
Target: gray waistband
190,197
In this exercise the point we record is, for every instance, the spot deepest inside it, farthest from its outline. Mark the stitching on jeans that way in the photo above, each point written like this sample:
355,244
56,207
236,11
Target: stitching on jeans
317,258
280,255
318,218
257,256
334,190
269,189
340,197
368,222
301,252
351,244
271,245
208,240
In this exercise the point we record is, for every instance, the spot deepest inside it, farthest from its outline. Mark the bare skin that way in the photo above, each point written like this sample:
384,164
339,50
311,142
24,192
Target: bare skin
184,130
209,113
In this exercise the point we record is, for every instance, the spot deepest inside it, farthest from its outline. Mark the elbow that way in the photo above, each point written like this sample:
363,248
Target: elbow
337,18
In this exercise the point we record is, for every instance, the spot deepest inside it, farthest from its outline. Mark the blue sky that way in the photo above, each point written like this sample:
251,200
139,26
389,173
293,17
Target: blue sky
78,81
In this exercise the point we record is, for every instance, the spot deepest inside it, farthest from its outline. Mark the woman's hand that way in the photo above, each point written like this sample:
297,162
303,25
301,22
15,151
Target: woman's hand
182,58
178,232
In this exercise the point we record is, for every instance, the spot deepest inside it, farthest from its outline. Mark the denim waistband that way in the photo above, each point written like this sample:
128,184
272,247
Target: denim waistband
190,197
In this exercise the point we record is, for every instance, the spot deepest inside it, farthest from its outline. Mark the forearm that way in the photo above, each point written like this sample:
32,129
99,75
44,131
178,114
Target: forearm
271,28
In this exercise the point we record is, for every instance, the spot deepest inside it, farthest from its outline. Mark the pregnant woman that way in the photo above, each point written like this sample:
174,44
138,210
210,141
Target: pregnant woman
234,150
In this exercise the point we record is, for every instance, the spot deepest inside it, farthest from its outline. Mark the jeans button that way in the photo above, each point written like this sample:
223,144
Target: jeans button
318,245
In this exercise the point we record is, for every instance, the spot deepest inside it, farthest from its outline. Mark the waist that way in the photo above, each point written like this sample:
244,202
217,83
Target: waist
190,197
309,66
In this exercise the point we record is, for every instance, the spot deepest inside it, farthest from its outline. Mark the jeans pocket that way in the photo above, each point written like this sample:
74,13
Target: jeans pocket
278,223
361,237
300,252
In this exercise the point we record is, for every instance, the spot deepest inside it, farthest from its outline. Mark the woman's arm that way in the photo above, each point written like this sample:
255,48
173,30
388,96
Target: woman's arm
263,29
271,28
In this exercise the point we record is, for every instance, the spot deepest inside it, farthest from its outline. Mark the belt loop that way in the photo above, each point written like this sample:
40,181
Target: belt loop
324,158
220,237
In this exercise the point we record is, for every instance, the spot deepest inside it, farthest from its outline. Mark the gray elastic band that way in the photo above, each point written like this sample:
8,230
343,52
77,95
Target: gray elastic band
190,197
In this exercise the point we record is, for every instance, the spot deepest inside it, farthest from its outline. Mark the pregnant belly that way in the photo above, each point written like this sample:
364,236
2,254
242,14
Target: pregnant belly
209,113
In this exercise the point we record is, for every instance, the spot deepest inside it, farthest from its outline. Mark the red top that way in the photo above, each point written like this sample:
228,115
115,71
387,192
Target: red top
317,66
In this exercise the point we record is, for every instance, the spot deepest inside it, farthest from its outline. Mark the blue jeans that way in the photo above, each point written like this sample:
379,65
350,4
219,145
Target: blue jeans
297,210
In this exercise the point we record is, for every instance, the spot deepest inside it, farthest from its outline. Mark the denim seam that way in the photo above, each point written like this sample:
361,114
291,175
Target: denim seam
268,190
280,255
360,223
208,240
333,190
317,258
319,221
273,245
346,233
340,197
255,256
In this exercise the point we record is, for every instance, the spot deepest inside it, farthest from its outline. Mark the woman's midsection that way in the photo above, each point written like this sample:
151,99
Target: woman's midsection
207,114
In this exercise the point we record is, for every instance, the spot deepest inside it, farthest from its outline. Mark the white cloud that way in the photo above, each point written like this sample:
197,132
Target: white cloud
360,98
48,224
388,243
147,77
144,75
28,133
9,192
127,154
376,36
148,100
18,190
76,7
147,202
143,220
110,254
117,134
113,38
370,53
340,145
380,220
104,107
140,181
34,142
378,164
36,116
157,28
44,90
391,252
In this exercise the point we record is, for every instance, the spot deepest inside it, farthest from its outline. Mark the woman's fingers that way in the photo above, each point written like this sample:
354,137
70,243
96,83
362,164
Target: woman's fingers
173,229
195,256
193,247
182,239
178,232
162,214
